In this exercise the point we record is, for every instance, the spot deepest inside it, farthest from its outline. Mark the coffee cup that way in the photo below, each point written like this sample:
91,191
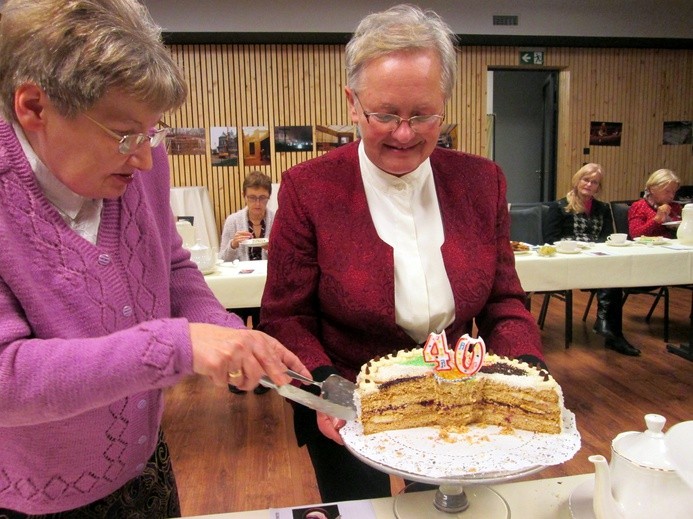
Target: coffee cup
567,246
617,238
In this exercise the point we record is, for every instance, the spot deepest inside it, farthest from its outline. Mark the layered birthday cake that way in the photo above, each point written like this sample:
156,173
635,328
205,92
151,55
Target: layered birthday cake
435,386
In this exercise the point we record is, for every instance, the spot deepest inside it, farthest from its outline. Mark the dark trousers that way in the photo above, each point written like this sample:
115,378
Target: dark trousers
343,477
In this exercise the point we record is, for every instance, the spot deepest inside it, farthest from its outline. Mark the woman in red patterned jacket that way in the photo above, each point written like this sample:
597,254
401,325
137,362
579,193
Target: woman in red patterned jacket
647,216
382,241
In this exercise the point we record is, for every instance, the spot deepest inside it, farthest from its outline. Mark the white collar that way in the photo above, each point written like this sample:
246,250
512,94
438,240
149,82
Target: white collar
385,182
63,198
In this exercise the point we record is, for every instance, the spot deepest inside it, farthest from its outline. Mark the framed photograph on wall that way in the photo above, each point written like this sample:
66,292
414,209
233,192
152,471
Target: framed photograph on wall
605,134
677,132
256,146
333,136
293,138
224,145
186,141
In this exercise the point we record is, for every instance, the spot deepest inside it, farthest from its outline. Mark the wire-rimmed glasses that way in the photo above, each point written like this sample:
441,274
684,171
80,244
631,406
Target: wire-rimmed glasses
390,122
254,199
128,144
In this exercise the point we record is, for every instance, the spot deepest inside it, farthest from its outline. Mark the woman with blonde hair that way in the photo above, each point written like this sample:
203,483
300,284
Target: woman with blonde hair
580,216
647,216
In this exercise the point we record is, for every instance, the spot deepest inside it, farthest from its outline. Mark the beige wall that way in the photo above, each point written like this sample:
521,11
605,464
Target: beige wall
287,85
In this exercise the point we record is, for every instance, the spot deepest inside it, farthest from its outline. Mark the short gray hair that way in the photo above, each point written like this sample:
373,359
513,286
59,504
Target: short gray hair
76,50
402,28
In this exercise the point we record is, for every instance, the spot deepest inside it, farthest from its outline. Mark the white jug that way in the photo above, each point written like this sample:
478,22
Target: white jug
685,232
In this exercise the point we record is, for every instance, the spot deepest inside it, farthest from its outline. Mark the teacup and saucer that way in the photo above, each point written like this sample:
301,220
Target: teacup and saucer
567,246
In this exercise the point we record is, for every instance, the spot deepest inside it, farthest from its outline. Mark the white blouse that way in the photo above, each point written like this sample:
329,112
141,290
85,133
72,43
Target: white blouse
406,216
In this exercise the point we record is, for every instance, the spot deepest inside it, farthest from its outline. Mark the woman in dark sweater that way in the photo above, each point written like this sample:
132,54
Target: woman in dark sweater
580,216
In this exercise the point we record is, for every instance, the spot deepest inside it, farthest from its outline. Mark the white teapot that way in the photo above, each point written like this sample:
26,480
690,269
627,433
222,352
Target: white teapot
640,482
203,256
685,231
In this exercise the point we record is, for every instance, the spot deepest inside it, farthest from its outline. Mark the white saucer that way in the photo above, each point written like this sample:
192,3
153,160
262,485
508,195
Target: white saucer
255,242
568,251
626,244
580,502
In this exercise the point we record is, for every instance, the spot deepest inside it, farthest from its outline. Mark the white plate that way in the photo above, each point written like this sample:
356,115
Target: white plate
672,224
209,271
663,241
680,449
521,252
255,242
626,244
568,251
580,502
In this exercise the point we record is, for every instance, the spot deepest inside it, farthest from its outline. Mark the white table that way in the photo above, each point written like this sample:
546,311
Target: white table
194,201
235,287
631,266
537,499
635,265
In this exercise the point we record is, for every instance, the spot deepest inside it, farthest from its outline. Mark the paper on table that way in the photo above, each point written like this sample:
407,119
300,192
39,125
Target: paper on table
344,509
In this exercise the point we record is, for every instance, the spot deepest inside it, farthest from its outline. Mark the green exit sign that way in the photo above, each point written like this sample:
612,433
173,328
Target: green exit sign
531,57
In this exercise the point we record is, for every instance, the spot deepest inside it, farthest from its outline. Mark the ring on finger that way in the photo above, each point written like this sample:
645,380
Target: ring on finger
238,373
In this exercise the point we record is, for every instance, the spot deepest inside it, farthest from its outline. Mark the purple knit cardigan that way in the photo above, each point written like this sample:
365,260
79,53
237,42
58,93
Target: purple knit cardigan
89,336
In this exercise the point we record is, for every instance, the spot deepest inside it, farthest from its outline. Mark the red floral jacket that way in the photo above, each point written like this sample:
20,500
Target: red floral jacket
330,289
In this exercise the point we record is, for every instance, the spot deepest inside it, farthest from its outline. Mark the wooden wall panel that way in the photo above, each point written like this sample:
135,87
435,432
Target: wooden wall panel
303,85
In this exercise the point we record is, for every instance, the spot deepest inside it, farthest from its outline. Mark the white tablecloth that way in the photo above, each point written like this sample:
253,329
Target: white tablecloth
634,265
236,287
194,201
605,266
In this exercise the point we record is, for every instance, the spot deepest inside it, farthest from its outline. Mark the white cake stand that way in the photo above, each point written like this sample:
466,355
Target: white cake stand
460,464
465,497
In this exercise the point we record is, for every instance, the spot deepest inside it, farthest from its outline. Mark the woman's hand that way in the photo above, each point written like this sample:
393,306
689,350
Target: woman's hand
330,426
240,357
240,237
662,213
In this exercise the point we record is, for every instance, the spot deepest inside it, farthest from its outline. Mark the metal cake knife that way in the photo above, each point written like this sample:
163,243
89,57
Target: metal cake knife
337,395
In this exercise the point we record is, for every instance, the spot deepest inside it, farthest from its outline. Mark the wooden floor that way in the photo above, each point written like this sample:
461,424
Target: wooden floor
238,452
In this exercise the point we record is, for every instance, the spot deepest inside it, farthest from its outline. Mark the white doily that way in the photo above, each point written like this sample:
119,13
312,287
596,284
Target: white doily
477,453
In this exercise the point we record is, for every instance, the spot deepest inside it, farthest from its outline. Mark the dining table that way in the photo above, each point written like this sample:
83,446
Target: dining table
567,497
596,265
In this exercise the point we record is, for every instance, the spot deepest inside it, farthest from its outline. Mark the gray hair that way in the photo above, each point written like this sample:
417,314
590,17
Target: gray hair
76,50
402,28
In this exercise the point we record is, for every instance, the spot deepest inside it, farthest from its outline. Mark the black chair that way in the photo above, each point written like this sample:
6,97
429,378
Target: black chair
527,225
619,212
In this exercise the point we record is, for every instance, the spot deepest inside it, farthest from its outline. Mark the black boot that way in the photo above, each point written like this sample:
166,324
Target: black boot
609,305
621,345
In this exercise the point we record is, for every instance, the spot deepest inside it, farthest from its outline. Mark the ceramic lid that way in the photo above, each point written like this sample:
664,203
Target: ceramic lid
648,448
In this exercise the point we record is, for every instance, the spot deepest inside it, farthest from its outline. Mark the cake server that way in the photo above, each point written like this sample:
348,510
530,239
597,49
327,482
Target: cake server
324,405
334,388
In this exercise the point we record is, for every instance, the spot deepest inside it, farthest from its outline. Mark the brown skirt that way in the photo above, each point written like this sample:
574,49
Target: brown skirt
151,495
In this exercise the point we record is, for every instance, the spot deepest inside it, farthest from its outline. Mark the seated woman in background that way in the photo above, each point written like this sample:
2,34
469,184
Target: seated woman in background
580,216
647,216
253,221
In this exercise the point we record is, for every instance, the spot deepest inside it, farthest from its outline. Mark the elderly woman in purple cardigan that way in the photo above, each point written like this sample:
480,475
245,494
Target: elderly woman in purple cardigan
100,306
